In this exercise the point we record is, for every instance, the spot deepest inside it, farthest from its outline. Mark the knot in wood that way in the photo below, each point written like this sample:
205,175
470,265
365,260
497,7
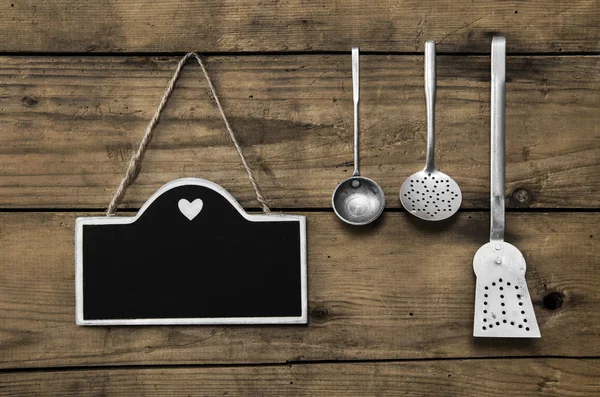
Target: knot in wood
521,196
319,313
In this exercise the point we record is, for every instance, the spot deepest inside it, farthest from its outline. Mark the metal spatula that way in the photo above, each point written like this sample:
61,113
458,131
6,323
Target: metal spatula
503,307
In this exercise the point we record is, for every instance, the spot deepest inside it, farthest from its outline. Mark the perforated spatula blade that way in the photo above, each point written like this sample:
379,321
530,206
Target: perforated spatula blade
503,307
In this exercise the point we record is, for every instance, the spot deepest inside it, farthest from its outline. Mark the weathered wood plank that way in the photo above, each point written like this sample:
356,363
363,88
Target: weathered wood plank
295,25
399,289
482,378
69,124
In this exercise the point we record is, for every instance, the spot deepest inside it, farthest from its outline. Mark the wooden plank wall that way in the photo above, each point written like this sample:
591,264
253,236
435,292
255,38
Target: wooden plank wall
391,304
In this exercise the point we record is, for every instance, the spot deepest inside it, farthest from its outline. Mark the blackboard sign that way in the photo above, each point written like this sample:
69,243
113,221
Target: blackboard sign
191,255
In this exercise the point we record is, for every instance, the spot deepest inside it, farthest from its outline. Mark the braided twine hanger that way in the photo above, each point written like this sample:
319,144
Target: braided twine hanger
136,160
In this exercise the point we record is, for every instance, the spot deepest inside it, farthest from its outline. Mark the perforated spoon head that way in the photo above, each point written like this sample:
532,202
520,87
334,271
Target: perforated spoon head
432,196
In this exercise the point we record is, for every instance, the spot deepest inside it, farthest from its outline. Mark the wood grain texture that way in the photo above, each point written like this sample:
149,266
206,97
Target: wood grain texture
400,289
481,378
295,25
69,125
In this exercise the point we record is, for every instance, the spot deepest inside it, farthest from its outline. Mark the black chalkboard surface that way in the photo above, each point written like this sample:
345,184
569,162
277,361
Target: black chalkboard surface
191,255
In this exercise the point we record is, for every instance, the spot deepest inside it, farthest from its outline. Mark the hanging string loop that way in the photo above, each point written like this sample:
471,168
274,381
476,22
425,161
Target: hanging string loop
136,159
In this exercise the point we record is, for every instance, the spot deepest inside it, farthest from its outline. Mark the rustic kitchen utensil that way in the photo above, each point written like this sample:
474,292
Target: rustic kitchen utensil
191,255
503,306
430,194
357,200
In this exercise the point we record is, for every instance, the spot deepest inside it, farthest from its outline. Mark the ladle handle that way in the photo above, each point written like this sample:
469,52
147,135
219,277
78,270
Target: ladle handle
356,98
497,122
430,84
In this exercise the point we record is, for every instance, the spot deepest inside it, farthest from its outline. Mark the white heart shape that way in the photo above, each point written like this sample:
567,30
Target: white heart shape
190,210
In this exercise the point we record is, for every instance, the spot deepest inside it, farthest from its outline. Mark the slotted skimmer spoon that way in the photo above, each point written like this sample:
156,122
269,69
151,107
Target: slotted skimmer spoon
430,194
357,200
503,307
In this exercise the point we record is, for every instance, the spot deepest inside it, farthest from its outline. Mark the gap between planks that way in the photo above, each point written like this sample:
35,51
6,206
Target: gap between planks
288,363
128,211
288,53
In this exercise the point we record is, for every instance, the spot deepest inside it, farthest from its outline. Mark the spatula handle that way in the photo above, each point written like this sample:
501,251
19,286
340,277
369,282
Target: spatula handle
497,121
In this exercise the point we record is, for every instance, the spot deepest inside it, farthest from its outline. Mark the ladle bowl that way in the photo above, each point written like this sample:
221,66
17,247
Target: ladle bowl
358,200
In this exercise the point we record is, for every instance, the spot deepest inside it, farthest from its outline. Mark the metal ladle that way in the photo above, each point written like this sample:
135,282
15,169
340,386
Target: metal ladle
357,200
430,194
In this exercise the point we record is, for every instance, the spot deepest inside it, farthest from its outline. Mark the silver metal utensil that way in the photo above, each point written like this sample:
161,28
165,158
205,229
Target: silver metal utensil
430,194
357,200
503,307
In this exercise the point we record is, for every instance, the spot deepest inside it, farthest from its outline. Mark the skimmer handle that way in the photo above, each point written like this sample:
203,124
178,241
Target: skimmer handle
430,102
497,122
356,98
